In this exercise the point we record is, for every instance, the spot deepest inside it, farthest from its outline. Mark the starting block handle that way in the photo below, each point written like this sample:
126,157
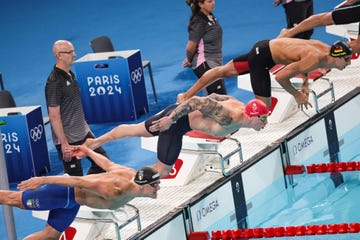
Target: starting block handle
225,158
238,150
115,220
317,96
136,217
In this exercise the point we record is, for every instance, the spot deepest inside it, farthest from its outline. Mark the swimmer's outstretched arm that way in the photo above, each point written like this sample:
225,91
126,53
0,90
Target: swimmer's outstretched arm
102,161
94,183
68,181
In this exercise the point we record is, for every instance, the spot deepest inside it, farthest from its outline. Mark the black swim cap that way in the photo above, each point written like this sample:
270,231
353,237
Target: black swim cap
340,49
146,175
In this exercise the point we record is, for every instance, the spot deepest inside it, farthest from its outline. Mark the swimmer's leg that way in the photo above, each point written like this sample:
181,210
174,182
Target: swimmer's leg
162,168
266,100
121,131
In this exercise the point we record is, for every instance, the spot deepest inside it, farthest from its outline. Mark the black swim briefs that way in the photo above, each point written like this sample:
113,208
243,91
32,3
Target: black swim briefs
260,61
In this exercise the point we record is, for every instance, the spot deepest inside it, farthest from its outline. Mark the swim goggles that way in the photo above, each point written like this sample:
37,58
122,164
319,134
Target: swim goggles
154,184
263,118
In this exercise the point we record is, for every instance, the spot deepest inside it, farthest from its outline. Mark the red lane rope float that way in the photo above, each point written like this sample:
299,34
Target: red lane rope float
322,168
281,231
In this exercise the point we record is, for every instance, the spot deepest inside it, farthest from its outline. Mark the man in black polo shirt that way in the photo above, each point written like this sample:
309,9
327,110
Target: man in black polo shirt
65,110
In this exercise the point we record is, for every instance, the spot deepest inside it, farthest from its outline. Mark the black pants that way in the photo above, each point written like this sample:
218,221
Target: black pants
297,12
216,87
74,166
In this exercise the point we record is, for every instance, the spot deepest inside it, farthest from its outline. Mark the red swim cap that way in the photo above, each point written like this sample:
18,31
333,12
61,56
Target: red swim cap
256,107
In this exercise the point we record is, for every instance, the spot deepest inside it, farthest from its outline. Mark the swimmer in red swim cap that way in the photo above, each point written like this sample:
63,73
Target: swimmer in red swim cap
257,108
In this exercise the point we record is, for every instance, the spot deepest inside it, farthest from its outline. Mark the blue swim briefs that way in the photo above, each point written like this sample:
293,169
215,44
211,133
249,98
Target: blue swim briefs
58,199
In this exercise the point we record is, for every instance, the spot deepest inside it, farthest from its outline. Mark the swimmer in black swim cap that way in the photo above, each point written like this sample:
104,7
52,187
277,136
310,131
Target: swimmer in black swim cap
340,49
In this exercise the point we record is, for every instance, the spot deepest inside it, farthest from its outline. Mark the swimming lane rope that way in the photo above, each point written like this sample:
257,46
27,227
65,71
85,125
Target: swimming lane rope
322,168
280,231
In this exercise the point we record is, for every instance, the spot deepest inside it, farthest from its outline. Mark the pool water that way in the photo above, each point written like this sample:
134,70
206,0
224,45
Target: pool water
315,200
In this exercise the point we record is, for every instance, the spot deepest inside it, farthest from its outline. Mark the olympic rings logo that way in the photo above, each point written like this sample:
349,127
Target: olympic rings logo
36,132
136,75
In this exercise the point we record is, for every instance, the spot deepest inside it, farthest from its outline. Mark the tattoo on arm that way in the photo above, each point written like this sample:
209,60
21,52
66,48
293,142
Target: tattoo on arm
207,106
216,111
185,108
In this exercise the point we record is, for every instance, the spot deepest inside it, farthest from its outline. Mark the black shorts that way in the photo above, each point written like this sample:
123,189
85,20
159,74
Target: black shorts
345,15
260,61
170,141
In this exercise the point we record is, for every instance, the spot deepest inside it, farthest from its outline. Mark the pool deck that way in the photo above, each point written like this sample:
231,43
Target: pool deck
170,198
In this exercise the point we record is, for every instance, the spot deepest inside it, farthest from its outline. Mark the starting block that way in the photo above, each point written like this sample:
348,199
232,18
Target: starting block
186,168
206,144
286,105
350,30
91,222
199,153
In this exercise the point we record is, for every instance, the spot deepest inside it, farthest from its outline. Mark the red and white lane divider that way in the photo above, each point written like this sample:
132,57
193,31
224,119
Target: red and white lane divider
322,168
281,231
